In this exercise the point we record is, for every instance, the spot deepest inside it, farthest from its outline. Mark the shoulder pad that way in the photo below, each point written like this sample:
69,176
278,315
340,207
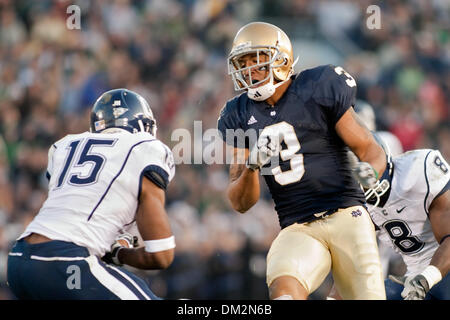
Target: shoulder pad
437,175
232,107
334,76
157,154
333,88
424,173
232,114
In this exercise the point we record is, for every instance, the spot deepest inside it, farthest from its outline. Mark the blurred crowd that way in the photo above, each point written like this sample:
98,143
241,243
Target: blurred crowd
173,52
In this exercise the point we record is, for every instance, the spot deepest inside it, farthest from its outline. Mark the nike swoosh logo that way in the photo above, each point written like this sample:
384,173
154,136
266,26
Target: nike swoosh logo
398,211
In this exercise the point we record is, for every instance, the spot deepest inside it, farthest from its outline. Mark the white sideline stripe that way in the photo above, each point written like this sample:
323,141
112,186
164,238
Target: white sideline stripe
131,280
15,254
57,258
109,281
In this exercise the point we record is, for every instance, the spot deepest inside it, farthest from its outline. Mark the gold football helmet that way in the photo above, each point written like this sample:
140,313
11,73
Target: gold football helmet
261,38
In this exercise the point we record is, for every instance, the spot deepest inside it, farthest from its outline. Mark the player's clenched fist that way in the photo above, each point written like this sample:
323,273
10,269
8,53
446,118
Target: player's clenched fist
265,148
366,175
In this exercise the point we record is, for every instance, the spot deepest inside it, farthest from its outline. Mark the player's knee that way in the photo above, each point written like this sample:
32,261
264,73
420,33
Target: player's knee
284,297
287,288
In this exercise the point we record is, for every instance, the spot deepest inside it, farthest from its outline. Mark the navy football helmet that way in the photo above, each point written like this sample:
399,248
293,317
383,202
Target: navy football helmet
373,195
122,108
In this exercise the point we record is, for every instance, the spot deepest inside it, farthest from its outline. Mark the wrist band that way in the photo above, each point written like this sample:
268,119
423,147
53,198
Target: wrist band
432,274
252,167
115,256
376,172
443,238
160,244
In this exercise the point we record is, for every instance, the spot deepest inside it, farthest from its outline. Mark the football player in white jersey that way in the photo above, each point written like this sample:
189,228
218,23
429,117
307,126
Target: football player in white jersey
411,208
100,182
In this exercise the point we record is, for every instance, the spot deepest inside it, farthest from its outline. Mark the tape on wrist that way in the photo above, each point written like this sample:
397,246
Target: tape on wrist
376,172
251,167
160,244
432,274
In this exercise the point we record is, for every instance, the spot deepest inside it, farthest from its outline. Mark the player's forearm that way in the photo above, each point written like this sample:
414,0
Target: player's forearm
441,257
439,215
243,190
374,155
141,259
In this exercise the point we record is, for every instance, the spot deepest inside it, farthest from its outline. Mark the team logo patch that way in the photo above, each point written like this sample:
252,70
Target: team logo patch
242,46
356,213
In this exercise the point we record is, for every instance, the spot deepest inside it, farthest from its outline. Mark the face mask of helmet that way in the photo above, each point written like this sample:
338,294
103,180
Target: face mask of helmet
373,195
265,91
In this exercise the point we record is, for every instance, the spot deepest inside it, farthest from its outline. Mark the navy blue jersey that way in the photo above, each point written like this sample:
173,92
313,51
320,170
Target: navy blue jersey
314,173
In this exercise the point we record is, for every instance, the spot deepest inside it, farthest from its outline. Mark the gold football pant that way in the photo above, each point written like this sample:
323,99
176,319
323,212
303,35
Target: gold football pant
344,242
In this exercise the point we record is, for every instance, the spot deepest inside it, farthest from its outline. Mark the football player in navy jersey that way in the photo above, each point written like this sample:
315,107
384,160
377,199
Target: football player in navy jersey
295,130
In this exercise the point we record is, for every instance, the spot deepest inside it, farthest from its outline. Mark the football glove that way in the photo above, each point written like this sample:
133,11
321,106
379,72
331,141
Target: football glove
366,175
124,240
265,148
417,286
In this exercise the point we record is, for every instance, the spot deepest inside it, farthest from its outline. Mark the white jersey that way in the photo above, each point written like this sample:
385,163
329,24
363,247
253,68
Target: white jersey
419,176
94,185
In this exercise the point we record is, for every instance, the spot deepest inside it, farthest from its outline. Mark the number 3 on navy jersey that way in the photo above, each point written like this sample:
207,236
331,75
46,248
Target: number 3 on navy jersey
288,135
86,157
350,80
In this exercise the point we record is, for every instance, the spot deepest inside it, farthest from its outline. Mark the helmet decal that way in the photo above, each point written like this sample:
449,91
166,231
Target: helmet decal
99,125
117,112
124,109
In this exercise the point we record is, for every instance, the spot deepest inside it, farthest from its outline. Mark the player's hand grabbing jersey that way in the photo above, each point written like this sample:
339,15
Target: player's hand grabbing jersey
94,176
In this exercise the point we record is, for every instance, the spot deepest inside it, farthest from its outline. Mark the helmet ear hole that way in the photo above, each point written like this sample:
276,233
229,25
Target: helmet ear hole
283,56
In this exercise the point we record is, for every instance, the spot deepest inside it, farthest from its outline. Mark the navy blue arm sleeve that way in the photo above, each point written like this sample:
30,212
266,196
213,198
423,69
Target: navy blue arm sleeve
157,175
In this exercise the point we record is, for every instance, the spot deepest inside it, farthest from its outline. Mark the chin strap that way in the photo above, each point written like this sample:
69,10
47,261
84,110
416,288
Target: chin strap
264,92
